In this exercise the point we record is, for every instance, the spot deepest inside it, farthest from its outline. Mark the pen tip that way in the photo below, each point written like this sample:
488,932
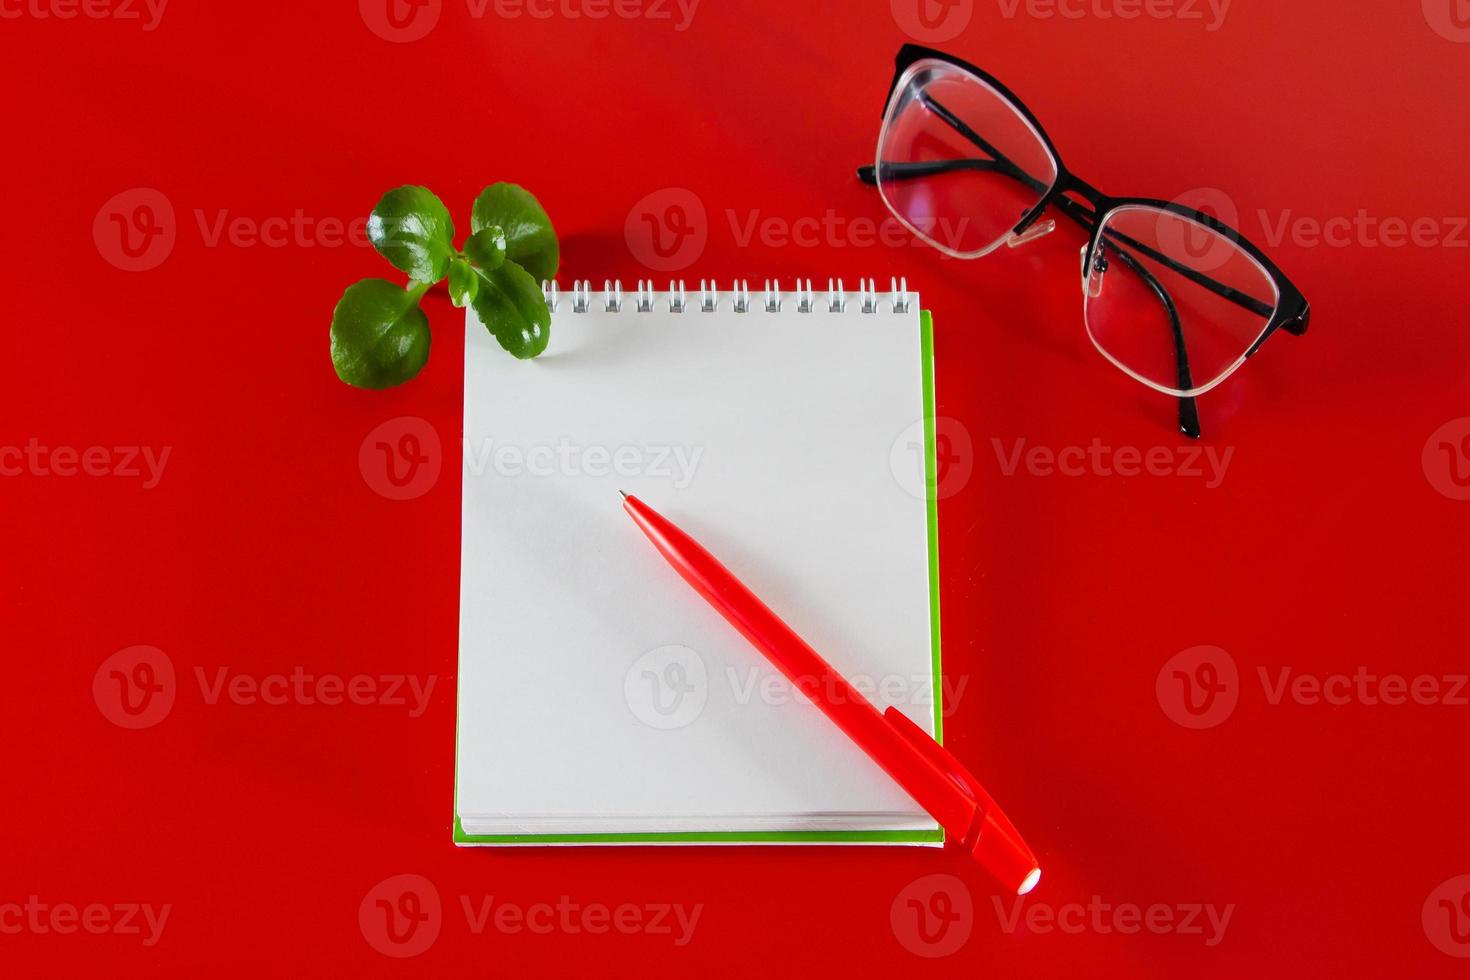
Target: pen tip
624,493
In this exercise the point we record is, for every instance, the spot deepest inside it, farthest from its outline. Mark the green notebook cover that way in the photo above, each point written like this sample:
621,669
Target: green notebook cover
926,343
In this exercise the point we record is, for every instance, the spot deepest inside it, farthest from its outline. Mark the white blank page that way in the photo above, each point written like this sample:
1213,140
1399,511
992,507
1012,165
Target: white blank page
597,691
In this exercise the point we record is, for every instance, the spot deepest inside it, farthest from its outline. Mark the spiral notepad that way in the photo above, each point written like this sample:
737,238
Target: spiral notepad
600,699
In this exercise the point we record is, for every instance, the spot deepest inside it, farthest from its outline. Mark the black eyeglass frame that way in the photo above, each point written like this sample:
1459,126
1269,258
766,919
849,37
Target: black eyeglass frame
1292,312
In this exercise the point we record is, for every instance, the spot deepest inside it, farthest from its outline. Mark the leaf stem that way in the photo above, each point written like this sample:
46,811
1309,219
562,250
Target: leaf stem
417,290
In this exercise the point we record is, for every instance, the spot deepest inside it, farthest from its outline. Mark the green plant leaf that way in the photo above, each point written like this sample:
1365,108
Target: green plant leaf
380,337
511,307
413,230
529,237
486,248
463,283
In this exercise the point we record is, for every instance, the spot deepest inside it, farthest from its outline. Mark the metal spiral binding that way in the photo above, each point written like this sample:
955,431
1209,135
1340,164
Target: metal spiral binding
804,298
836,298
645,298
643,302
773,297
741,301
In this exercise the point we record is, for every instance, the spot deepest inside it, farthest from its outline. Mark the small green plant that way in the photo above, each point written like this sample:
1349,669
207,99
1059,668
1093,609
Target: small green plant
380,335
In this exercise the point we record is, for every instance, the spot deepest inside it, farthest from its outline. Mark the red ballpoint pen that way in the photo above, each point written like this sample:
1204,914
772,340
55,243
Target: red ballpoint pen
912,758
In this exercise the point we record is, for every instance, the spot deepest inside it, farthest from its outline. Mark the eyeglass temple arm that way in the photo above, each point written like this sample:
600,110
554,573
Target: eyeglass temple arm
1188,407
999,161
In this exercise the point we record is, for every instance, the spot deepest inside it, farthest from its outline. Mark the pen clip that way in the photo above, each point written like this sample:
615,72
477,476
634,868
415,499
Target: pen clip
941,758
990,836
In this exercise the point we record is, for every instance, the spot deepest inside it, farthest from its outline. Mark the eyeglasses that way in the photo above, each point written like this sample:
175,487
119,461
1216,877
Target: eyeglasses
1172,296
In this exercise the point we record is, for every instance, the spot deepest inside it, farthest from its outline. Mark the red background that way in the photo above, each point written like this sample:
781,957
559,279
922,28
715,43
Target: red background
1327,547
